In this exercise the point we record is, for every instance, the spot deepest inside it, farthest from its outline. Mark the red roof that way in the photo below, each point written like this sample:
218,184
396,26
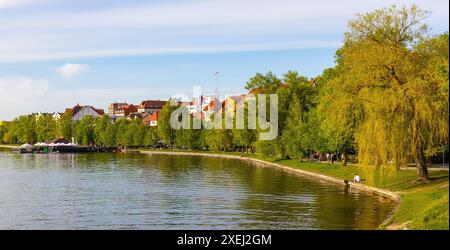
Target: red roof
77,109
152,104
215,105
154,117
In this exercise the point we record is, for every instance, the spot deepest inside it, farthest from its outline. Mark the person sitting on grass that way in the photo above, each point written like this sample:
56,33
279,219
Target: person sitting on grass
357,178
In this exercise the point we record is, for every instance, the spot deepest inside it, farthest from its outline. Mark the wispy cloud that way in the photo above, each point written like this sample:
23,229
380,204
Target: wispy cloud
19,3
70,70
102,53
133,28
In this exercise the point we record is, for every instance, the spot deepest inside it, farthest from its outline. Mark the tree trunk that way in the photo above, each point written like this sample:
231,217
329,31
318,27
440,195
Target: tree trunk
421,164
418,155
344,162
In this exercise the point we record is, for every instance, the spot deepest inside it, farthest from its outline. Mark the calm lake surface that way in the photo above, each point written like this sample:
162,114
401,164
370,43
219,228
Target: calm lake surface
134,191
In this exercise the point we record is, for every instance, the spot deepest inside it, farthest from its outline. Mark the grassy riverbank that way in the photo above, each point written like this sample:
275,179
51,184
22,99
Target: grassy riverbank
422,206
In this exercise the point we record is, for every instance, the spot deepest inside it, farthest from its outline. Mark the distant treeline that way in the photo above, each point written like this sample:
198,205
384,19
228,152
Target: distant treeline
87,131
385,99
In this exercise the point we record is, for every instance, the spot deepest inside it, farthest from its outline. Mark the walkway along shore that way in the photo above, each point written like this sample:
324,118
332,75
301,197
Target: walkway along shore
378,191
9,146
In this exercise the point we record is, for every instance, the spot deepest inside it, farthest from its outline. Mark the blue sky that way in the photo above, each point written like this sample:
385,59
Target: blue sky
56,53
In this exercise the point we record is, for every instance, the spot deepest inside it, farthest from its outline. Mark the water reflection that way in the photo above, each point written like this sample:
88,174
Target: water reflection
109,191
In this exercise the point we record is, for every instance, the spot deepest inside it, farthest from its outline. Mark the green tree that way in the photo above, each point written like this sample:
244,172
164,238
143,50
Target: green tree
45,128
124,132
64,126
298,99
188,138
140,131
244,138
110,136
100,130
151,136
264,83
218,139
3,130
270,84
83,130
337,115
385,92
165,130
24,129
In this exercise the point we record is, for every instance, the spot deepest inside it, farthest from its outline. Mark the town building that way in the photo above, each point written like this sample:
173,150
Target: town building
121,110
56,115
78,112
154,119
230,103
150,119
193,109
150,106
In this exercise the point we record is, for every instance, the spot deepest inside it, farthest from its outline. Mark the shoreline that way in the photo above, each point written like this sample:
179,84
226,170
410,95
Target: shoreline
9,146
394,196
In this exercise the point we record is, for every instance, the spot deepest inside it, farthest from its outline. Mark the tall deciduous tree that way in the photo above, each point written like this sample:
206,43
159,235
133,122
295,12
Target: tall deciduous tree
386,93
45,128
298,97
84,130
165,130
151,137
64,126
24,129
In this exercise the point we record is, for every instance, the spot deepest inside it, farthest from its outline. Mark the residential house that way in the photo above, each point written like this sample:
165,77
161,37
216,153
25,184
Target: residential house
56,115
146,118
193,109
78,112
40,114
207,99
154,119
214,106
151,106
135,116
313,82
231,102
121,110
150,119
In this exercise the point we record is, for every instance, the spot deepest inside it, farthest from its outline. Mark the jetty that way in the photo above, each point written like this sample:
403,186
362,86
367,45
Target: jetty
59,145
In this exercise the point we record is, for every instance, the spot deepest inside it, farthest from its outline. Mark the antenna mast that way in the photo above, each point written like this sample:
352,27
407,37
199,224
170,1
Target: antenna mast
217,82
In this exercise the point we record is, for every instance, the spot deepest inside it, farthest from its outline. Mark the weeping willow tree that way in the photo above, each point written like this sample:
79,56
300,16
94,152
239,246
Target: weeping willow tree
392,88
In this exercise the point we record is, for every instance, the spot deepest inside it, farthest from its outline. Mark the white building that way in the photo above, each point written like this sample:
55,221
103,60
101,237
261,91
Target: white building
78,112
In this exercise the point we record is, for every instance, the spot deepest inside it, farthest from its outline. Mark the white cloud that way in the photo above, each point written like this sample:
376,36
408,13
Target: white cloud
6,3
18,95
22,88
70,70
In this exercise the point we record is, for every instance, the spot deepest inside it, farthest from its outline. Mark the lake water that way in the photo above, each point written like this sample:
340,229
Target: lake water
137,191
